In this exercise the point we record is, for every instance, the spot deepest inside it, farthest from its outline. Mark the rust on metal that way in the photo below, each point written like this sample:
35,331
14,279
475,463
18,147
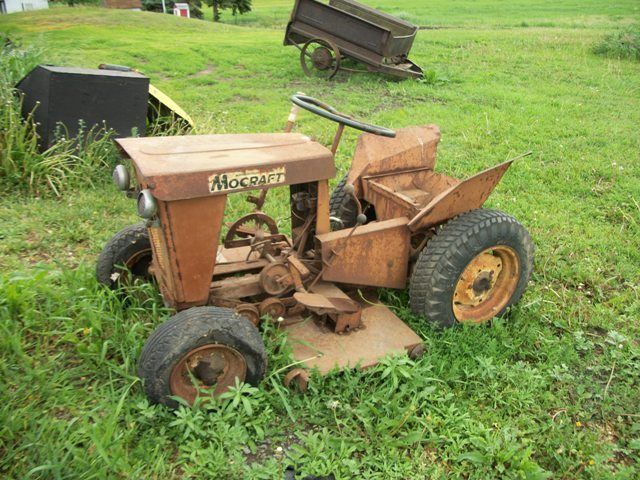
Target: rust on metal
237,287
250,225
212,368
273,307
412,148
486,285
316,345
322,210
404,193
297,264
249,311
460,198
193,166
183,234
275,279
344,312
346,28
376,254
307,280
320,56
298,377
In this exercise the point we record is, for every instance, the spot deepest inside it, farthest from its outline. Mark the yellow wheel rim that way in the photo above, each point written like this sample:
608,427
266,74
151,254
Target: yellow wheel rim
486,285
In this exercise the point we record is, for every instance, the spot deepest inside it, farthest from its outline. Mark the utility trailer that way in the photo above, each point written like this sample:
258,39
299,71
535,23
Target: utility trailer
327,33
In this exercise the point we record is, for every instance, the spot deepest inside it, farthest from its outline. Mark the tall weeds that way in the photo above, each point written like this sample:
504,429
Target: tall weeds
624,43
69,163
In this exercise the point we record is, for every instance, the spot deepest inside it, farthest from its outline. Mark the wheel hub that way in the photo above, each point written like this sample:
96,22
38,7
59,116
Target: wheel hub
322,58
211,368
483,283
208,370
486,285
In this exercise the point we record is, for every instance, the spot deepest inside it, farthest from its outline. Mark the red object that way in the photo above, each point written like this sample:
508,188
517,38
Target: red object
181,10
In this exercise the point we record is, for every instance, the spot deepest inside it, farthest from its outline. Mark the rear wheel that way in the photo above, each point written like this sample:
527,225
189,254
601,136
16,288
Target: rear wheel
476,266
320,58
200,352
342,207
125,257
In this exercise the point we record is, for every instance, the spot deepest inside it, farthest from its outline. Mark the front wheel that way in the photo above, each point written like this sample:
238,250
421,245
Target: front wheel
125,257
476,266
200,352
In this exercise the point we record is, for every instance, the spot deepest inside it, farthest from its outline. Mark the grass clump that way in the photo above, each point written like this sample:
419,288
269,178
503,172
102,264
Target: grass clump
622,44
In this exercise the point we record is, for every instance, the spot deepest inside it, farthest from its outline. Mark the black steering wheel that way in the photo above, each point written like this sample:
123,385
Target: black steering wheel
327,111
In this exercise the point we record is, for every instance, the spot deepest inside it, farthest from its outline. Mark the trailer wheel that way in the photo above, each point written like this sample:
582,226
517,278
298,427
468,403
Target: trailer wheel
342,207
127,253
320,57
476,266
201,351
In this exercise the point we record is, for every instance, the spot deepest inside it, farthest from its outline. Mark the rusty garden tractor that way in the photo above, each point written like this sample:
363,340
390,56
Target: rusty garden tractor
392,222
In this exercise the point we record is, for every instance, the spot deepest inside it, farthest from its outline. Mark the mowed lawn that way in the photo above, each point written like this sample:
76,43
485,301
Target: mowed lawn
551,391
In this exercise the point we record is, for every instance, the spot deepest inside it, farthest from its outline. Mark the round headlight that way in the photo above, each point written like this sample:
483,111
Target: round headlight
121,177
147,206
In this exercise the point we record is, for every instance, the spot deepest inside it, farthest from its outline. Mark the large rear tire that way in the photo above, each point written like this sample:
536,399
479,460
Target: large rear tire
343,207
200,352
474,269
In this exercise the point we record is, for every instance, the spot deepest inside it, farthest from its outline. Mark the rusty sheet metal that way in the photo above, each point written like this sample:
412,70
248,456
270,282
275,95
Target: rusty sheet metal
316,345
463,197
189,240
412,148
324,305
190,166
237,287
406,193
322,208
376,254
345,313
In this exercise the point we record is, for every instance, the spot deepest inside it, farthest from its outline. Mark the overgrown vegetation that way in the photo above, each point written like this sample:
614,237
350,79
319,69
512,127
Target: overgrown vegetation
69,163
624,43
549,392
237,7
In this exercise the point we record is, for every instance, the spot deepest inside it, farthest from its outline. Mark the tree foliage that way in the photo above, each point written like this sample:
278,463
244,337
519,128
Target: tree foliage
156,6
237,7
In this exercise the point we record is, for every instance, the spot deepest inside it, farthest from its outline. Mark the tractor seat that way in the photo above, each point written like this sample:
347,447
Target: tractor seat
192,166
416,196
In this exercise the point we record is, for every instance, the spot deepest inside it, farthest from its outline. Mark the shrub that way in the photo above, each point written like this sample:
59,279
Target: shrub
622,44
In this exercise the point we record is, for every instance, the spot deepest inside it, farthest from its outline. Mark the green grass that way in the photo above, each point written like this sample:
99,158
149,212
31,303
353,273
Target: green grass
552,388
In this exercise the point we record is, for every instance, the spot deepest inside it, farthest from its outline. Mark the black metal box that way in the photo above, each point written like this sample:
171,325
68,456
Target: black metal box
69,95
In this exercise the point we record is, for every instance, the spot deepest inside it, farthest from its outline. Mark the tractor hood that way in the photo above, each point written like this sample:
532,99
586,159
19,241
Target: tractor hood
192,166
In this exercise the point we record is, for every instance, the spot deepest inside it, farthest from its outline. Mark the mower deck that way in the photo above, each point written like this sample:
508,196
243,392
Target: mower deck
316,345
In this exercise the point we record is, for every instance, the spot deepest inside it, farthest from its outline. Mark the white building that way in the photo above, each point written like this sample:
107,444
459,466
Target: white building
11,6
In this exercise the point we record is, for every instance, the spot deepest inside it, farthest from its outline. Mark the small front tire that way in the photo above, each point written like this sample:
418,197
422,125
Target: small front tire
200,352
127,252
475,268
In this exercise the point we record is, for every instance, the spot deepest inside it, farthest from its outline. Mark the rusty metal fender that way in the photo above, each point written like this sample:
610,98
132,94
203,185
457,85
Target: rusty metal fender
460,198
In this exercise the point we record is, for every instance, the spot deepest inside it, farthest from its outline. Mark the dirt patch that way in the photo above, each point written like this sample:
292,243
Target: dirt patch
208,70
268,449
